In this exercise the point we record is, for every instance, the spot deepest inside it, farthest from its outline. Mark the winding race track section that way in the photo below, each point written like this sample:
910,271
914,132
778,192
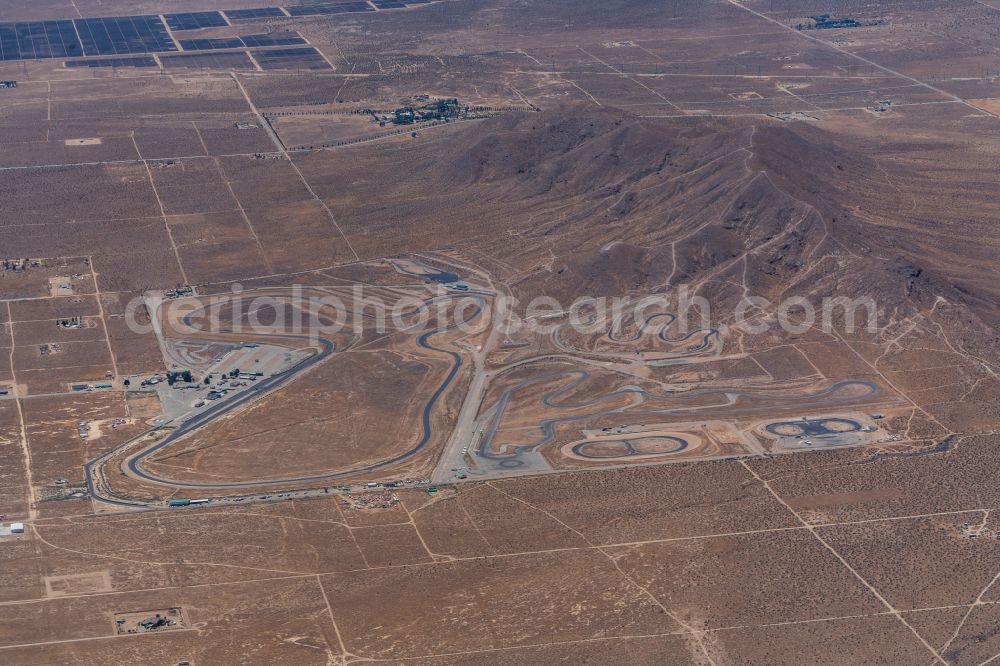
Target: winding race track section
709,336
510,456
327,347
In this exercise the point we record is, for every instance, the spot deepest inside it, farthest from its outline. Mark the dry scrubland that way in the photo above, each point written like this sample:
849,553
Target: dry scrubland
705,550
708,144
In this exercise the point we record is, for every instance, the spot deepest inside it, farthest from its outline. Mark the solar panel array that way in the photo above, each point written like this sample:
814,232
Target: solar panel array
302,58
237,60
316,10
253,41
195,20
118,35
125,35
250,14
273,39
38,39
209,44
127,61
398,4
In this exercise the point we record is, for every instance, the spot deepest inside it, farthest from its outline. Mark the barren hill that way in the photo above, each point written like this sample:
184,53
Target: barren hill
593,202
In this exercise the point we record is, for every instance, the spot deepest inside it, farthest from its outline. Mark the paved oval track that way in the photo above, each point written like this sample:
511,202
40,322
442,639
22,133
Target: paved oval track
629,444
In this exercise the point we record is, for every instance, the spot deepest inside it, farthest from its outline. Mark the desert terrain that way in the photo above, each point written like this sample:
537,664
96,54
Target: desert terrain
499,332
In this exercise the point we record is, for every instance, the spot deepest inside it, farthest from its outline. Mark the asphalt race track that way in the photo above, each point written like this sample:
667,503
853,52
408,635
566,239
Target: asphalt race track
813,427
547,427
628,445
327,347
